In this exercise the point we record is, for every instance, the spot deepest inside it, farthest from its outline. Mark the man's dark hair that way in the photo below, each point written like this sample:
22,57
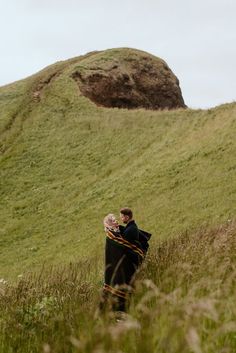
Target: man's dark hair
127,212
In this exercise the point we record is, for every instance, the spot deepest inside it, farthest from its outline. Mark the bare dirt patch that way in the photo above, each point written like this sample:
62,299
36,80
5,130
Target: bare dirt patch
131,81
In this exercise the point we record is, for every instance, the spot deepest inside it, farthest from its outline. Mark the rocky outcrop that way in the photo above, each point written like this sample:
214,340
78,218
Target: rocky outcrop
128,78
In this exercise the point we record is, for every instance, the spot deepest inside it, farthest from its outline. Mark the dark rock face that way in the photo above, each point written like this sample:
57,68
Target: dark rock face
132,81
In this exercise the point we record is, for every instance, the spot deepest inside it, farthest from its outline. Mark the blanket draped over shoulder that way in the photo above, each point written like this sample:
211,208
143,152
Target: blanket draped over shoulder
122,259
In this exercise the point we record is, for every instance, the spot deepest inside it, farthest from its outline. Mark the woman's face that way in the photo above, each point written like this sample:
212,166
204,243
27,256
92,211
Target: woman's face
114,222
111,222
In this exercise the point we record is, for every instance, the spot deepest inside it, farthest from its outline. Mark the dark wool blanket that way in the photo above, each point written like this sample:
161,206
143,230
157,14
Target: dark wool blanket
122,259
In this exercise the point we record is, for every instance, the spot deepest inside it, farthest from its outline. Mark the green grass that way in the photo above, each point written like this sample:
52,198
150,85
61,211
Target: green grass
65,163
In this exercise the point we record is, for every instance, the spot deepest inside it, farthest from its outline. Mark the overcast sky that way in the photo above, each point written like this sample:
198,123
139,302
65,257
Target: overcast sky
196,38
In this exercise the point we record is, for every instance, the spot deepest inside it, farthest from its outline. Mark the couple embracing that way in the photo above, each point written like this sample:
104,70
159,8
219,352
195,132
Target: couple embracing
126,247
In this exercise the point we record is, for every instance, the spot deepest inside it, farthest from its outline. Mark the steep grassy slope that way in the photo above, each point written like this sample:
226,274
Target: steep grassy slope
65,163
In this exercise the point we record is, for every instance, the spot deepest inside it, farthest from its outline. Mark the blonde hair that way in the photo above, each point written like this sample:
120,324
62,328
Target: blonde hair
110,221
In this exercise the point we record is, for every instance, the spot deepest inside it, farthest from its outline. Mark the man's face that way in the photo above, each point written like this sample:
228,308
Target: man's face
124,219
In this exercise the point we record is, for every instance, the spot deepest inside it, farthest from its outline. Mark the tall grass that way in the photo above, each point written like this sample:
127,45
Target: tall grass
184,301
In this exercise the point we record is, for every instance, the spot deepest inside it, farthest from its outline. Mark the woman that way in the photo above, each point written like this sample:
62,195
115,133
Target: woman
122,259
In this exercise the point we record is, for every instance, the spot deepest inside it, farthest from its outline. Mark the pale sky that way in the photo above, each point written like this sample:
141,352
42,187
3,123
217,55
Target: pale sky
197,39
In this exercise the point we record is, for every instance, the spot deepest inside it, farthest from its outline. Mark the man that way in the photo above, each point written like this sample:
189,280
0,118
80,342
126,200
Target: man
130,232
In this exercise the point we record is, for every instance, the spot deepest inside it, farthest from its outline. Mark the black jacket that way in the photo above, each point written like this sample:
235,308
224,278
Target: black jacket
135,236
131,232
120,263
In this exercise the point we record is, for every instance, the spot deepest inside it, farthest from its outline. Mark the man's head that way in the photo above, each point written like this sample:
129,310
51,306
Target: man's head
126,215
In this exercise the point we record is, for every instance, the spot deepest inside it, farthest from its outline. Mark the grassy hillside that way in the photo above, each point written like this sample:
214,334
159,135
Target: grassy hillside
65,163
